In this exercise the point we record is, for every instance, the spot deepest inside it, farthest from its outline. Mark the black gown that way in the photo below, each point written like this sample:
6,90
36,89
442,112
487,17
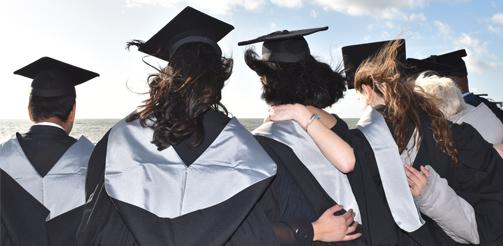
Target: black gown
302,200
23,218
477,179
240,220
475,100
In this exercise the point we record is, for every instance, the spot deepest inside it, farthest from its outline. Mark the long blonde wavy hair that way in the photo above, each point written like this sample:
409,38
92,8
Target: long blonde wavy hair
404,102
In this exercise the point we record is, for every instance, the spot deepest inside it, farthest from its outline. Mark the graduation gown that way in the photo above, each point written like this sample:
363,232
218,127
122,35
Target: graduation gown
477,179
55,163
475,100
301,199
114,219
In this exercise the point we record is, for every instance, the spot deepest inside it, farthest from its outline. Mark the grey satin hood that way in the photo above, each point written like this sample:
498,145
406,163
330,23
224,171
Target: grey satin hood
63,187
159,182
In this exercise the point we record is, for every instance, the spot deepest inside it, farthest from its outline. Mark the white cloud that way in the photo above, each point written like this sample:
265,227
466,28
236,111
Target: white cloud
497,19
390,25
417,17
479,59
313,13
442,28
496,24
494,29
288,3
388,9
217,7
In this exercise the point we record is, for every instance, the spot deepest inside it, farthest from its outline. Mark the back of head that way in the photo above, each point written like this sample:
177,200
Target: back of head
405,106
181,92
446,93
307,82
44,108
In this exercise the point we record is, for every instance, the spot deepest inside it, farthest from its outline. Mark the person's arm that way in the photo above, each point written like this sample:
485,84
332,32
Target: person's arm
499,148
327,228
437,200
333,147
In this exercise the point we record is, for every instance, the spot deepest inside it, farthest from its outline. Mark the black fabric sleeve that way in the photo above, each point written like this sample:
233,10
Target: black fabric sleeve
478,179
96,166
294,233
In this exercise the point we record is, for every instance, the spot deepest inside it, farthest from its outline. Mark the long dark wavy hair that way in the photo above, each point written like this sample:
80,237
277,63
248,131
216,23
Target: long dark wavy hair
307,82
404,104
180,93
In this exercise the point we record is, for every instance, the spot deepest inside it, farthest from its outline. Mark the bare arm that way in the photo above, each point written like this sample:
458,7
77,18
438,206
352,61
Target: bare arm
333,147
499,148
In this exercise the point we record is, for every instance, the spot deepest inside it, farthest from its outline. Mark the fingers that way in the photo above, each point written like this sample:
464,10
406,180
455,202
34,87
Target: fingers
352,228
334,209
351,237
416,176
348,215
411,178
351,219
425,171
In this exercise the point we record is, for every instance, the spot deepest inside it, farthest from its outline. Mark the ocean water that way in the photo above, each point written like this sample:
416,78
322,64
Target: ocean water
94,129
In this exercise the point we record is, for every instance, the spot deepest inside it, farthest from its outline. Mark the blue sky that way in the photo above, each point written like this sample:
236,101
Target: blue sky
92,34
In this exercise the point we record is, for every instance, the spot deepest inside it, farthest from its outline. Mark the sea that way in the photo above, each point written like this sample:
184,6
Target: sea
94,129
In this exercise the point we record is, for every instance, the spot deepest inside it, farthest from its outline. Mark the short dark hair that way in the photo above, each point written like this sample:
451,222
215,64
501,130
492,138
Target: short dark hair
47,107
307,82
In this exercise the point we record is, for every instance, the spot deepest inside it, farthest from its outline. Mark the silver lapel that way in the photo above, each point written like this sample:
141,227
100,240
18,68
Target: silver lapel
391,170
63,188
334,182
159,182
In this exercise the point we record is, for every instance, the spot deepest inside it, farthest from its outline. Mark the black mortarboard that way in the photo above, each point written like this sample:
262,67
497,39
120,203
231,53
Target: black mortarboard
53,78
355,55
189,26
449,64
285,46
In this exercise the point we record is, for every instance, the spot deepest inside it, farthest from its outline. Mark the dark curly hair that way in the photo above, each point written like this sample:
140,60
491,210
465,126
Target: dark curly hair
308,82
182,92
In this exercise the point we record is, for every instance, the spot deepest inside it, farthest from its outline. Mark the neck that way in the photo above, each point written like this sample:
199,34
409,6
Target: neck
56,121
377,101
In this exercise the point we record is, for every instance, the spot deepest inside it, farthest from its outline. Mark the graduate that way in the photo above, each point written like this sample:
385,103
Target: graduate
43,171
290,74
450,101
179,171
452,65
452,193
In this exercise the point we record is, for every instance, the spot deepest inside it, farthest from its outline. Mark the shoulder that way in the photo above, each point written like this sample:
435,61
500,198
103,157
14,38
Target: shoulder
466,134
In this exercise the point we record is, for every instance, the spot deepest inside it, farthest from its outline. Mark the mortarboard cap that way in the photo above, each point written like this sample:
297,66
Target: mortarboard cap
53,78
355,55
285,46
189,26
449,64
